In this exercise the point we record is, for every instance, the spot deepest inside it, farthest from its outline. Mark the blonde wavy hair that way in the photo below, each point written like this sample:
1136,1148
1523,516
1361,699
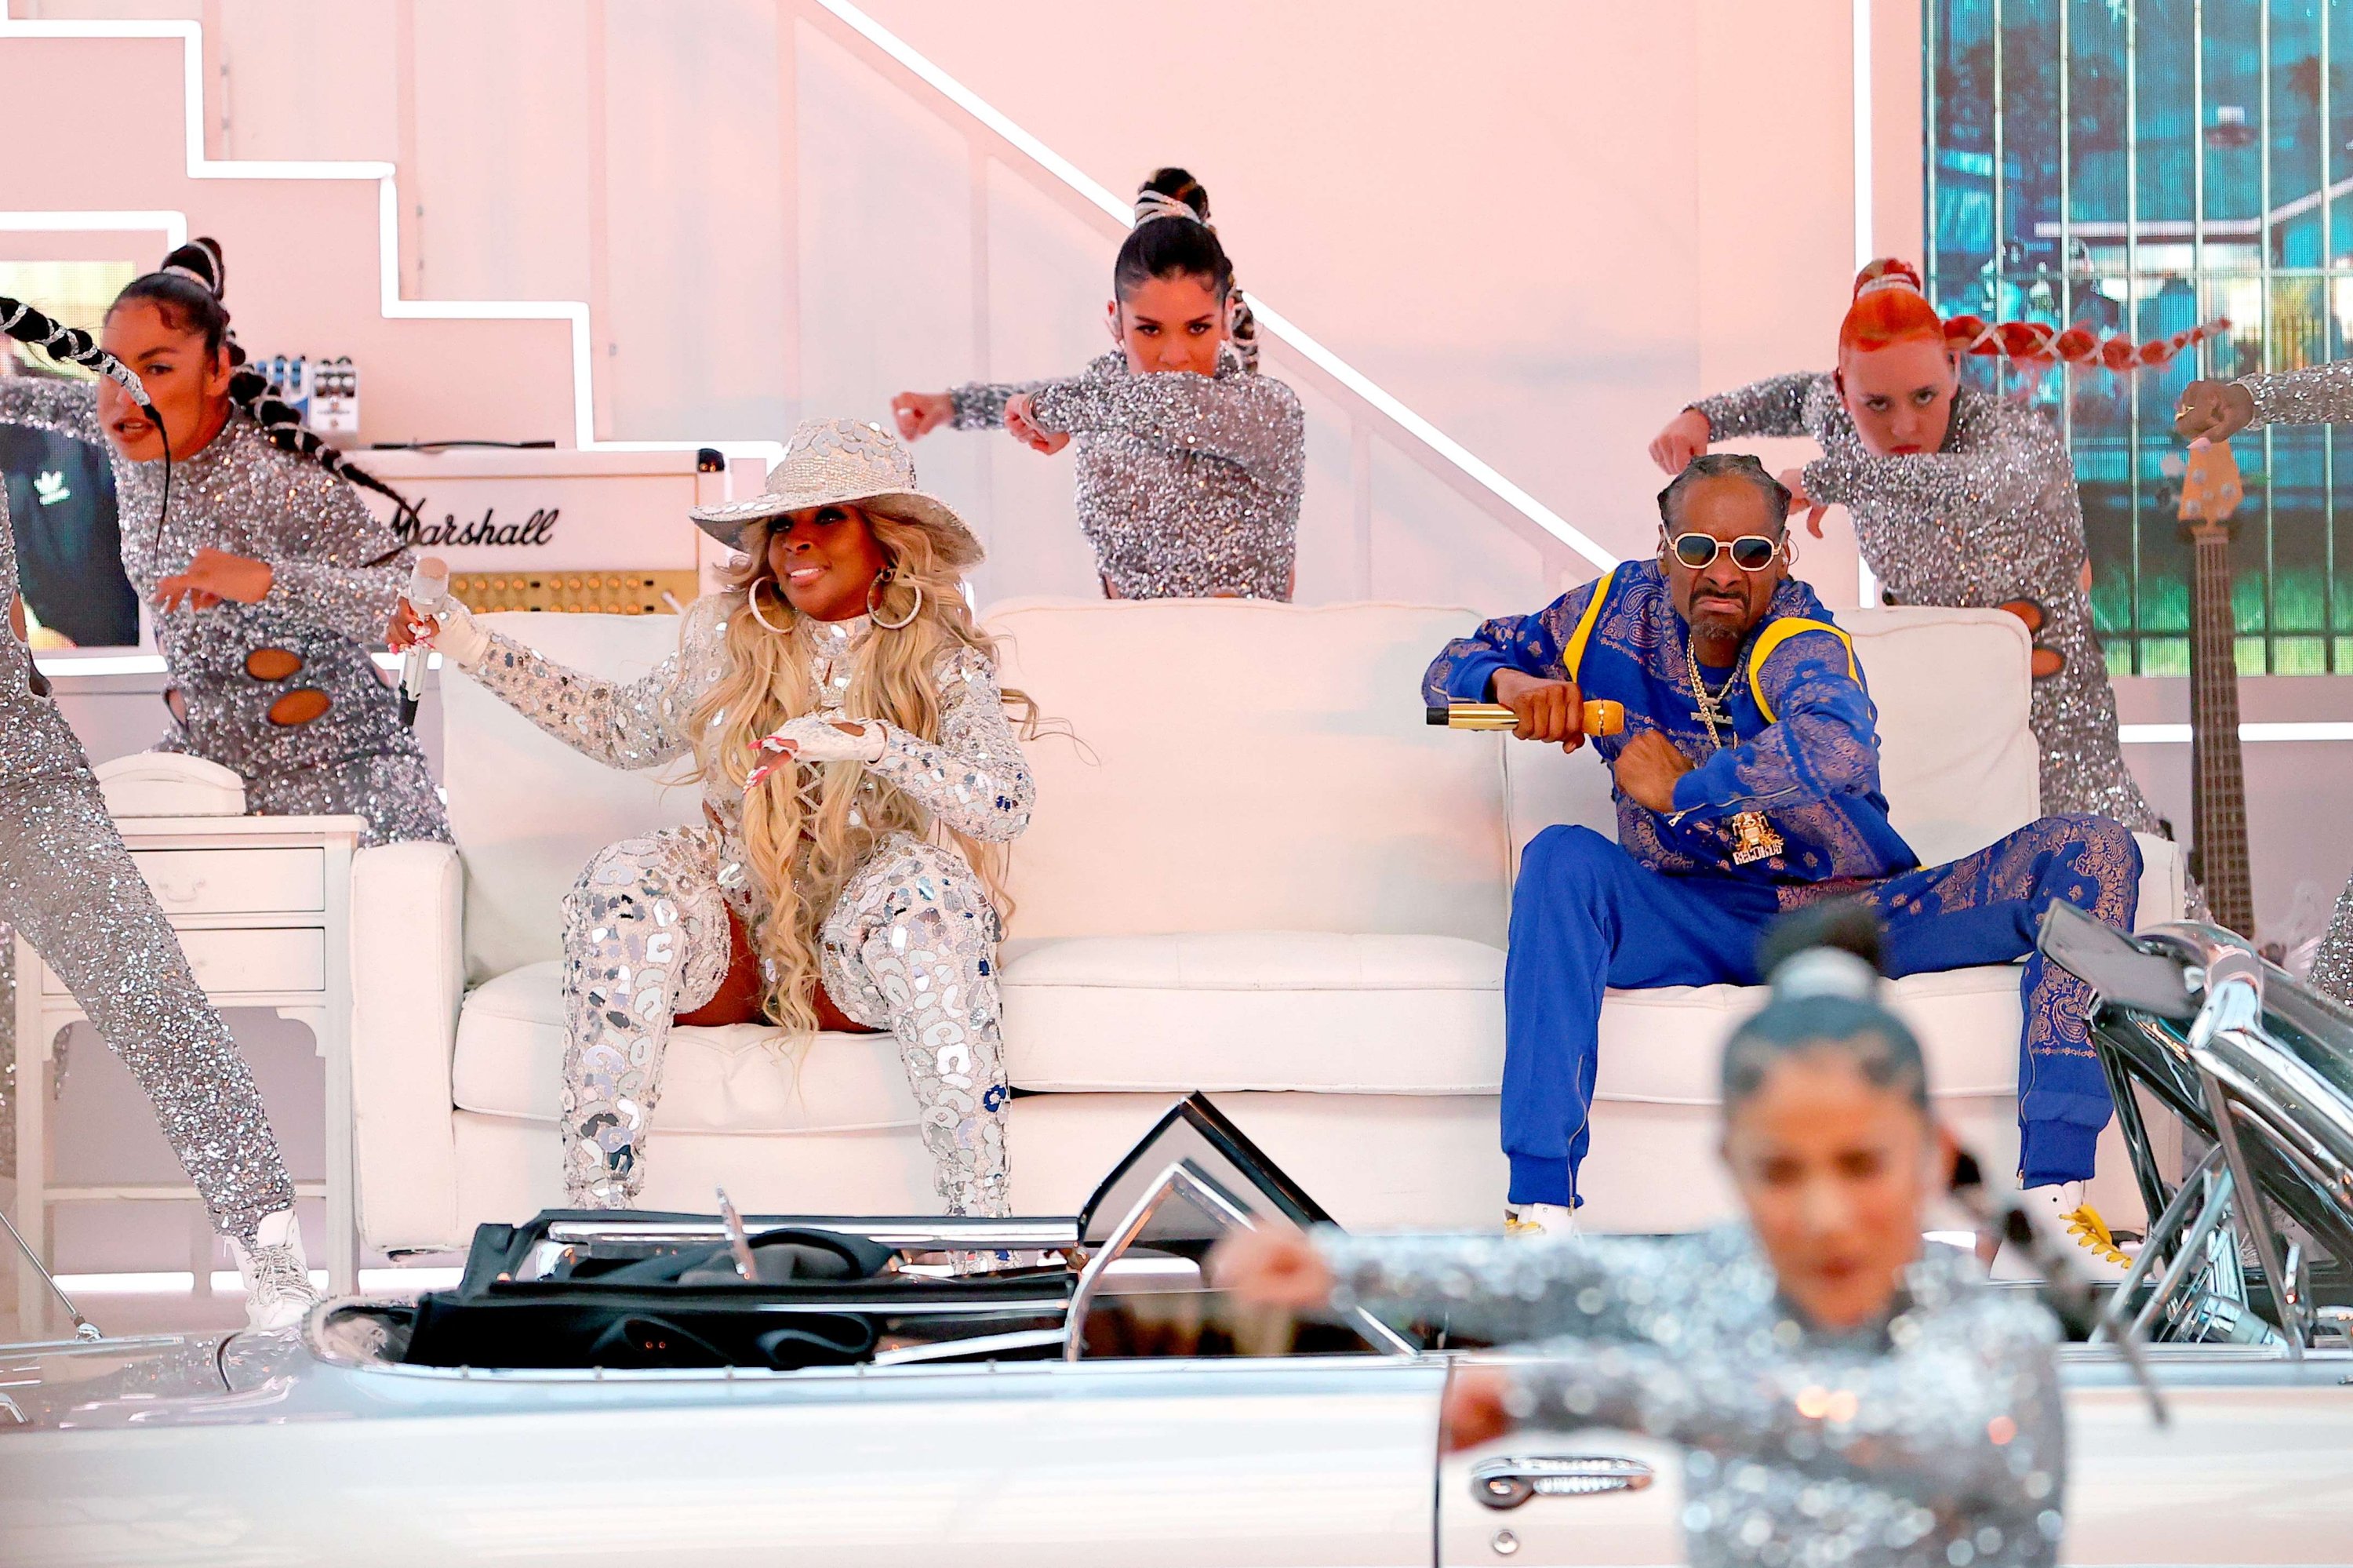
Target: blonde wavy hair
800,856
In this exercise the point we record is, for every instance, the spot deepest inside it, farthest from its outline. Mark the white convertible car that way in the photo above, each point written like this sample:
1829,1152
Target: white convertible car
614,1388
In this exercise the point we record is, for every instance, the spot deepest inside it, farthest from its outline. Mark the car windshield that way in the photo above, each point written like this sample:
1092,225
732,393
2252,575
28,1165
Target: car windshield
571,1292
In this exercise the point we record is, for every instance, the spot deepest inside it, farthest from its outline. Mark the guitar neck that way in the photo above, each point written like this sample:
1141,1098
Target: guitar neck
2219,789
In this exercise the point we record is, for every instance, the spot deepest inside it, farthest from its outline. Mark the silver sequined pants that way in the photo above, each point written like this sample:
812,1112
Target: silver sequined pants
69,885
911,947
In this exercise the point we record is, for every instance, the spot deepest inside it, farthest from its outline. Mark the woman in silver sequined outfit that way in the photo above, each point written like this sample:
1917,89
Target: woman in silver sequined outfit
269,581
1191,466
2217,410
68,885
1842,1395
1958,499
844,719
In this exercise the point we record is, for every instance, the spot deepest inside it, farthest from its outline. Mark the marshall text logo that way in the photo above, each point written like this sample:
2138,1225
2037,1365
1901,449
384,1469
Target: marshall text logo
537,529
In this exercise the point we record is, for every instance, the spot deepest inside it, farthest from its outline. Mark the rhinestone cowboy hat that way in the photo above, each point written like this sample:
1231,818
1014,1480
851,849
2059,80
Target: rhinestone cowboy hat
830,462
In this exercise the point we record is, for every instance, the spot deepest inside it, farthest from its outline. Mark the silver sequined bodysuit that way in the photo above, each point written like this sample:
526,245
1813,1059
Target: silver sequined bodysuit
1933,1437
326,608
909,945
68,885
2316,395
1992,519
1188,485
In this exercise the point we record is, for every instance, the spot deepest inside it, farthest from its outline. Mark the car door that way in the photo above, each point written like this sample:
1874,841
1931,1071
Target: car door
2254,1465
1534,1500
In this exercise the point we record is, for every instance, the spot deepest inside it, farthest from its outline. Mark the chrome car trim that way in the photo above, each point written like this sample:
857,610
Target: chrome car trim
964,1350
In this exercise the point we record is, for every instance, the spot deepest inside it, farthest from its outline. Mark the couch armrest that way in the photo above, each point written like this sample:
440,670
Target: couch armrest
2164,883
407,979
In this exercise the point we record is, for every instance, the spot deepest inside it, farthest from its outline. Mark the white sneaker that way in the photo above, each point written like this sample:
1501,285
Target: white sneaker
278,1288
2059,1212
1524,1221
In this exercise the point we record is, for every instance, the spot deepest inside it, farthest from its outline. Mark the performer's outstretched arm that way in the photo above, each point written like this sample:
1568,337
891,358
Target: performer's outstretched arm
1970,1410
1506,1290
2023,458
1251,422
621,724
1824,740
2315,394
980,405
1465,670
1773,407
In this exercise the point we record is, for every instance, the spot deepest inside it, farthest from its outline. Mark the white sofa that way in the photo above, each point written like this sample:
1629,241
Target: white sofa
1252,870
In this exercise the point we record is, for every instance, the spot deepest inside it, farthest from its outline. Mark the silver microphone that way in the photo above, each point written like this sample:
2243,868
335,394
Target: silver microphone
428,593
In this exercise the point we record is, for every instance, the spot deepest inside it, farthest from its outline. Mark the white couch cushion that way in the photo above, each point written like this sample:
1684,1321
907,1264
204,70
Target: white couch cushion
509,1060
528,810
1957,763
1255,1010
1665,1046
1237,764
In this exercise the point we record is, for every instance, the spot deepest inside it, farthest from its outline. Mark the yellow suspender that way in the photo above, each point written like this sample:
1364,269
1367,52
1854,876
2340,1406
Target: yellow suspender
1780,631
1574,654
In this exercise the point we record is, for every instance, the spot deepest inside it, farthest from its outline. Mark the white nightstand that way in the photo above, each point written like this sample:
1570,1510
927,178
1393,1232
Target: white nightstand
263,907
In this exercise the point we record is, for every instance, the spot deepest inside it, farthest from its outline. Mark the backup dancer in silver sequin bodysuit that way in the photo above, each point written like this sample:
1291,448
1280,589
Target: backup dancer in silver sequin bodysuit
1934,1435
2316,395
909,945
1992,518
1191,464
1189,486
69,885
327,606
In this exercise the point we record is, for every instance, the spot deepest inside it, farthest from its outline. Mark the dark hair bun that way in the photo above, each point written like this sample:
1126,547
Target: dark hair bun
1838,922
201,257
1179,185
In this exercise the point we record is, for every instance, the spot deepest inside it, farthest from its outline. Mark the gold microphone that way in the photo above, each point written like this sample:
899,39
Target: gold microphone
1602,716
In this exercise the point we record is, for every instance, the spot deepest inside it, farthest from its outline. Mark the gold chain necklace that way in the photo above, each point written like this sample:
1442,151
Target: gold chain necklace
1710,703
1753,836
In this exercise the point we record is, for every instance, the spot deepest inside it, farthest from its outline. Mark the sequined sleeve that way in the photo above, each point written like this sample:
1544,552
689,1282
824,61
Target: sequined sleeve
1774,407
1251,422
1824,740
1502,1290
333,562
1963,1406
980,405
974,779
2315,394
2013,457
1531,644
49,403
621,724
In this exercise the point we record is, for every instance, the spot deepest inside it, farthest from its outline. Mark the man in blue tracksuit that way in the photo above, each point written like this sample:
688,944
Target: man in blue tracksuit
1746,783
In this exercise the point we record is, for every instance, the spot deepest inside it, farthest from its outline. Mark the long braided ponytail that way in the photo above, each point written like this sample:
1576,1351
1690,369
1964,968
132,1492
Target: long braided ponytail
188,288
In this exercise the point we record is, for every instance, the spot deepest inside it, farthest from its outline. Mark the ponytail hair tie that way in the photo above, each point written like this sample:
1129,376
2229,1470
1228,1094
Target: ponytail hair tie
1825,971
1150,205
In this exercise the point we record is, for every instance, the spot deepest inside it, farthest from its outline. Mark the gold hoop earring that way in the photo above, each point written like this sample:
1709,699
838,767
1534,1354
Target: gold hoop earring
751,601
874,611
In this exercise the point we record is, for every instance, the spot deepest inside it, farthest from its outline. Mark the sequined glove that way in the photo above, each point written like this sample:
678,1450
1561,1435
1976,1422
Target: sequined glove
451,632
810,739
